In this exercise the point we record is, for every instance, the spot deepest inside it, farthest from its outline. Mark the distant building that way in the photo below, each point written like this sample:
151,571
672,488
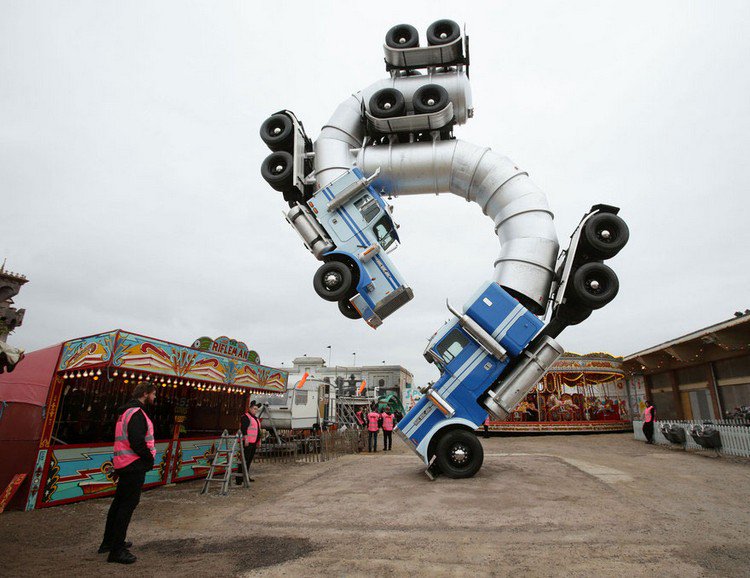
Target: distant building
10,317
703,375
380,379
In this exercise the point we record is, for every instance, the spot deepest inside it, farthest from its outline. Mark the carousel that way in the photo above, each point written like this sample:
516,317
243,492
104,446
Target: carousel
581,393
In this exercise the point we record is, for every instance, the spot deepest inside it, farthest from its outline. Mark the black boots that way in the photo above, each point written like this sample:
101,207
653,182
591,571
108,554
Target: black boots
104,548
121,557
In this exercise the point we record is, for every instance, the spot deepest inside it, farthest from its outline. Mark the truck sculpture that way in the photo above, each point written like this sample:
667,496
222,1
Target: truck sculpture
394,138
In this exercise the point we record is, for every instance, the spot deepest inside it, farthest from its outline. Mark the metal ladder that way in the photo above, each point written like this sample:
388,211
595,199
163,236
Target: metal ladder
227,454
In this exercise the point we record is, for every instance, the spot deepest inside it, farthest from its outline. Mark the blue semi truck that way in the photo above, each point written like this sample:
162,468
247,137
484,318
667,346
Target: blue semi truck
501,344
495,350
486,345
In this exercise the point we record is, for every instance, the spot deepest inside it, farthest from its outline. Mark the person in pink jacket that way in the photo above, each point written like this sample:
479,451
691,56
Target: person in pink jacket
373,425
387,419
649,417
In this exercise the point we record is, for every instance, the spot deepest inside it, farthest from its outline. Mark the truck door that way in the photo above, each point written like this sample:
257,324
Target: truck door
455,349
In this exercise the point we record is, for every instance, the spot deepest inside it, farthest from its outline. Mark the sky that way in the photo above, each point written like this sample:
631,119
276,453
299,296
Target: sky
131,195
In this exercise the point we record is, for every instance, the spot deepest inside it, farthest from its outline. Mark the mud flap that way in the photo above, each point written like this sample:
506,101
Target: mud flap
432,472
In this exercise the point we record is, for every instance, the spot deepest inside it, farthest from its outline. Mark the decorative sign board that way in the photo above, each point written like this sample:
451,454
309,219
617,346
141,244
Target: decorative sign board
226,346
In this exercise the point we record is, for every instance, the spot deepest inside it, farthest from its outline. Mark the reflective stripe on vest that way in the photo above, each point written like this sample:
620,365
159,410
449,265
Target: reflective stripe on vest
251,435
387,422
123,452
372,421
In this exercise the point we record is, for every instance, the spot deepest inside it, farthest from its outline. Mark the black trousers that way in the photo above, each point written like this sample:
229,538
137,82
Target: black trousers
249,452
372,440
648,431
387,440
127,496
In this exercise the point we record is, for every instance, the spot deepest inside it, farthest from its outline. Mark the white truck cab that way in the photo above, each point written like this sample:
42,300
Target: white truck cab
348,226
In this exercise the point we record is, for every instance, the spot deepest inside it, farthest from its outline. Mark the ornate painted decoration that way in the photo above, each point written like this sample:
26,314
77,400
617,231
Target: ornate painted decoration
87,351
123,350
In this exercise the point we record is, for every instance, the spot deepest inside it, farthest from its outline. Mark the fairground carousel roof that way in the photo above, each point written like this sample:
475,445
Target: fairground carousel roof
592,367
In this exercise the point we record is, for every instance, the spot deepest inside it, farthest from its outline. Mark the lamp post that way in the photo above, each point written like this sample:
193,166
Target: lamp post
354,363
329,355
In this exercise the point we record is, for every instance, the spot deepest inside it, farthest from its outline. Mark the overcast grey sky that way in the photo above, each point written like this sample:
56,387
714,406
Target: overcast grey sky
131,188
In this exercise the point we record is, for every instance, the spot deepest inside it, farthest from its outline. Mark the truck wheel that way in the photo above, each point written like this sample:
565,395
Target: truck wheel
332,281
442,32
277,132
573,314
387,103
402,36
604,235
430,98
459,454
348,310
278,169
594,285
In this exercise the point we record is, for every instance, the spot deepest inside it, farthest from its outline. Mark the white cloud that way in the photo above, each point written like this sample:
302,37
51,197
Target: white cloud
132,196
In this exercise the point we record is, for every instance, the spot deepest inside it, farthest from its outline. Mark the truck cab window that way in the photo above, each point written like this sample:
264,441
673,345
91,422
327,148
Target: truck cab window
384,232
452,345
368,206
300,397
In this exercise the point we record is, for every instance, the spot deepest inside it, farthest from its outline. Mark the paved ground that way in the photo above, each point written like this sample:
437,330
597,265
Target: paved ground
600,505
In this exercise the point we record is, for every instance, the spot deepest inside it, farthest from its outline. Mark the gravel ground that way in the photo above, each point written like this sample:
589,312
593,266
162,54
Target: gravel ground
596,505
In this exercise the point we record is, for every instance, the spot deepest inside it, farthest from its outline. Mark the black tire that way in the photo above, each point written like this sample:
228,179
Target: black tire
278,170
387,103
604,235
459,454
402,36
430,98
594,285
442,32
332,281
574,314
348,310
277,132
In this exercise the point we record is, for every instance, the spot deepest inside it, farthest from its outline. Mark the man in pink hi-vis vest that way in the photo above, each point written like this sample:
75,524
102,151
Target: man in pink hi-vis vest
134,453
387,418
373,425
250,427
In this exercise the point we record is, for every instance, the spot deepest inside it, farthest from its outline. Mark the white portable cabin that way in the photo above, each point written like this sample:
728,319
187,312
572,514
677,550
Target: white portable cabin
297,408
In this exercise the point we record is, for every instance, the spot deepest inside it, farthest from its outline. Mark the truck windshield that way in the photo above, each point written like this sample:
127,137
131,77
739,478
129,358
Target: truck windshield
384,232
368,206
452,345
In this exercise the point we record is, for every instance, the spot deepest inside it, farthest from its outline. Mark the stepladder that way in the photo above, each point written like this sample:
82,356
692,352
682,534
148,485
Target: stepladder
228,453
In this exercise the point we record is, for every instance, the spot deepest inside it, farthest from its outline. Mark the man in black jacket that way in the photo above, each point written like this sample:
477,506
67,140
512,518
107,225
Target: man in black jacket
131,477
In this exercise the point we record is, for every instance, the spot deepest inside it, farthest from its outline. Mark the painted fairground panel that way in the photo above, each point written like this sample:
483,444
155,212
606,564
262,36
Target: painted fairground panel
80,472
139,353
87,351
193,458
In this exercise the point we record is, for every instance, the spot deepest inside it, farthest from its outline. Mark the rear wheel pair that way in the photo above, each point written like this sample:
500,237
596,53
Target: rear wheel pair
406,36
390,102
